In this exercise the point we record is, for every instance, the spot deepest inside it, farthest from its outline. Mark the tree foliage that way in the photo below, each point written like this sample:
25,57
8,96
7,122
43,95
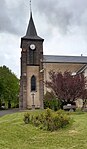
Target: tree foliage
66,86
9,86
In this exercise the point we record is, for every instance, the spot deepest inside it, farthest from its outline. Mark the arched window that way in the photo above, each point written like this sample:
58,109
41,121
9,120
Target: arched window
33,83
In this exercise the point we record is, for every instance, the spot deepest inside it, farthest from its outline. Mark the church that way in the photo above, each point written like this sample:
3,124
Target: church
35,68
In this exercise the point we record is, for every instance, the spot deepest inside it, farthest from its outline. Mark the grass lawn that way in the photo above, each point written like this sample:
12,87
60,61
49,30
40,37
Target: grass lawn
14,134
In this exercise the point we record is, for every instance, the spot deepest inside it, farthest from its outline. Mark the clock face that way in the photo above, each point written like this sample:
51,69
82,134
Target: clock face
32,47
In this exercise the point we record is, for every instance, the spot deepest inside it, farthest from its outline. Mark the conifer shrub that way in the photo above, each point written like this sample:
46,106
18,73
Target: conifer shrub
50,120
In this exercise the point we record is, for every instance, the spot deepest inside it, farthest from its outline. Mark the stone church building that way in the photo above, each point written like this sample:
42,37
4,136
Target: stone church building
35,68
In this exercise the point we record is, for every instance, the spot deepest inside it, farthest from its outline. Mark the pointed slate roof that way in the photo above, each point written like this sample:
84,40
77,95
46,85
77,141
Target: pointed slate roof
31,31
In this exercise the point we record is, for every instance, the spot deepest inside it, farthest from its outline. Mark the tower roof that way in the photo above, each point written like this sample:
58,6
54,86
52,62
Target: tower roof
31,31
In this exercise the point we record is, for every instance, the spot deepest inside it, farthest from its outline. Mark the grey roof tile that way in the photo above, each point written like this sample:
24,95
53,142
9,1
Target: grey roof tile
65,59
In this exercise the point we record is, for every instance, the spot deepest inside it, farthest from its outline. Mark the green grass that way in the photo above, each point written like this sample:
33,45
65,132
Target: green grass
14,134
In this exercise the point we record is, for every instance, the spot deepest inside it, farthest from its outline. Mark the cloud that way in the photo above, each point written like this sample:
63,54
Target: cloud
64,14
12,16
62,23
9,52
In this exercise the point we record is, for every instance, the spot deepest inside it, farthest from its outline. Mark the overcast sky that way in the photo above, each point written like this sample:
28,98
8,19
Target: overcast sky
62,23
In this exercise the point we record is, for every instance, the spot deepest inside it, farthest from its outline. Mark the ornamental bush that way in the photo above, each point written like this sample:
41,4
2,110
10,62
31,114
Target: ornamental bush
50,120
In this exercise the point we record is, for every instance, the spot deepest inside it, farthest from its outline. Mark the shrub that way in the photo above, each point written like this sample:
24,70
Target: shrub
36,120
26,118
50,120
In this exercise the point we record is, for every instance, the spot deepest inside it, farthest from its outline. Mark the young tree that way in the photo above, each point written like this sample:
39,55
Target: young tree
9,86
67,87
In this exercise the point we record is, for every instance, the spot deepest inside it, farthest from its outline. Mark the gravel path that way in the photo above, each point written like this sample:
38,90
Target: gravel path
4,112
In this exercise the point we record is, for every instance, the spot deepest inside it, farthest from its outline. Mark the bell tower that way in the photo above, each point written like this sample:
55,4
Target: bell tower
31,80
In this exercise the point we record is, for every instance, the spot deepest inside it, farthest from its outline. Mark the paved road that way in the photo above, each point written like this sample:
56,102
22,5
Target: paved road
4,112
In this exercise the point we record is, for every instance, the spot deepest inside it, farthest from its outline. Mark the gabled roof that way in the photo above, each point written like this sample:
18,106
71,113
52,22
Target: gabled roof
64,59
31,31
82,69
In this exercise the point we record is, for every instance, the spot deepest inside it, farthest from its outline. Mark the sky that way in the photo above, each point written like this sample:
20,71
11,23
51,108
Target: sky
62,24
